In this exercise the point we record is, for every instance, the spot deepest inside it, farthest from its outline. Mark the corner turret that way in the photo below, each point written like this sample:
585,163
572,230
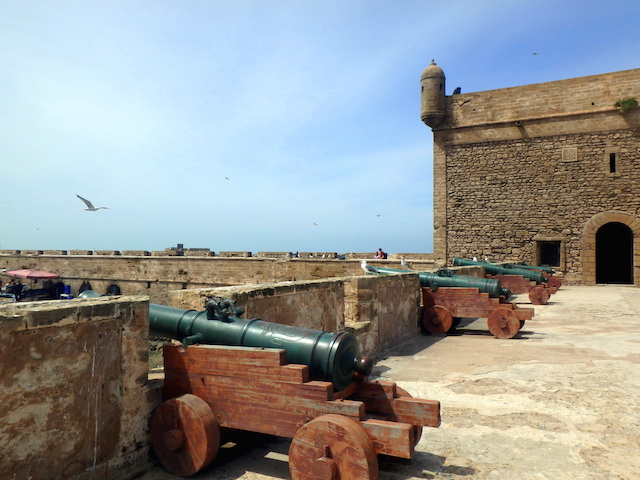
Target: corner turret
432,95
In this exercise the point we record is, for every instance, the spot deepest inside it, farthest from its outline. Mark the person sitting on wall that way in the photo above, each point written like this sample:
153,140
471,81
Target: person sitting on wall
380,254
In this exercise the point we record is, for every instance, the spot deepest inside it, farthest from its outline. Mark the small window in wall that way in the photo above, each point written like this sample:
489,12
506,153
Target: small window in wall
549,253
613,157
612,161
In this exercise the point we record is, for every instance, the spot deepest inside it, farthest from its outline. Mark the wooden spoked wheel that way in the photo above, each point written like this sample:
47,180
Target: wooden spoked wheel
185,435
417,429
503,323
437,319
332,447
539,295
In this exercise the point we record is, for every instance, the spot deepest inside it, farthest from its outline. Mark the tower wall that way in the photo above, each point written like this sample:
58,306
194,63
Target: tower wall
519,166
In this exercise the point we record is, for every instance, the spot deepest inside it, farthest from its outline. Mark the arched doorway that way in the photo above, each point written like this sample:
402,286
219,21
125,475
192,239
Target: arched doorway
614,253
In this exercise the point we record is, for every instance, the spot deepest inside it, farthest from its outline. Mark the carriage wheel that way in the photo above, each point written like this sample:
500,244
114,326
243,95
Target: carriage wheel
332,447
554,282
437,319
503,323
185,435
417,429
539,295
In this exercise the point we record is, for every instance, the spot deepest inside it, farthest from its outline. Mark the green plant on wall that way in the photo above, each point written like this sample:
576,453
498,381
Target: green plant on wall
625,104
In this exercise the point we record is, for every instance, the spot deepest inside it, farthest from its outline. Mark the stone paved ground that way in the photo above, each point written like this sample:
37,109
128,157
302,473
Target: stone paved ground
560,401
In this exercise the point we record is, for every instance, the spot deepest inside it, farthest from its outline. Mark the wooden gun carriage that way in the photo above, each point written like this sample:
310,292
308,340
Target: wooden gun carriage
445,307
209,389
236,376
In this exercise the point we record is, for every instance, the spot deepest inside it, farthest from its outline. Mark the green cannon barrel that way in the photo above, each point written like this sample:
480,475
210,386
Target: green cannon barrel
448,278
330,356
542,268
493,269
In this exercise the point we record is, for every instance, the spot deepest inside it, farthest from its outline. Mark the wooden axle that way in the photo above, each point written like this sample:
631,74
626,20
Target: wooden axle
335,434
444,308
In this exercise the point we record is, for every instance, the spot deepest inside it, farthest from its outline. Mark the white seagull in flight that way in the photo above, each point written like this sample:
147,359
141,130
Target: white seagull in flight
90,207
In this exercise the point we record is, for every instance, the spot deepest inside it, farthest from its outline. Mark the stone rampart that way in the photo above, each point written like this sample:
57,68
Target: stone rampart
74,397
157,275
380,310
315,304
556,100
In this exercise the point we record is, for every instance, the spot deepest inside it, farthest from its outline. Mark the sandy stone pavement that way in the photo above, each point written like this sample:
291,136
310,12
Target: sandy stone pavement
559,401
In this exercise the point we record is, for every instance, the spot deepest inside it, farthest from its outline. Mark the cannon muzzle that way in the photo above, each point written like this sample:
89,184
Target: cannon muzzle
448,278
493,269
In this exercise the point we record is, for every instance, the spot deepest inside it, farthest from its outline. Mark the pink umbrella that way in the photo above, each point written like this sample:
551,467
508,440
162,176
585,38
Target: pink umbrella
35,274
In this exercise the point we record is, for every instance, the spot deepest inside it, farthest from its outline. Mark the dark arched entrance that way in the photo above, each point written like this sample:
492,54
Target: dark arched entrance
614,253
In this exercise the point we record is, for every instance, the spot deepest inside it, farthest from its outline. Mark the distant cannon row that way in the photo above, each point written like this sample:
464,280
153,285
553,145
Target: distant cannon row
447,297
540,282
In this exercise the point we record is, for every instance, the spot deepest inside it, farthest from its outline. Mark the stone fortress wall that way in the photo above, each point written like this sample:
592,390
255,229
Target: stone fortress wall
549,162
75,398
156,273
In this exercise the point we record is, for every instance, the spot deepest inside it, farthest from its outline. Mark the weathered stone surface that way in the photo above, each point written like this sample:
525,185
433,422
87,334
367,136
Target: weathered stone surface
156,275
73,388
519,165
317,304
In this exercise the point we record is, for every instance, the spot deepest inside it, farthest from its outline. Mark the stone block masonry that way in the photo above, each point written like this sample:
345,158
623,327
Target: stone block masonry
157,275
74,396
519,167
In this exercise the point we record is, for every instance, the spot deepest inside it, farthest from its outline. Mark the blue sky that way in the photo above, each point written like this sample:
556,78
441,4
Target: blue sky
257,125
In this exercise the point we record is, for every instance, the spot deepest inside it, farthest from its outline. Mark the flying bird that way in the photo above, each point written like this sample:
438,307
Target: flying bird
90,207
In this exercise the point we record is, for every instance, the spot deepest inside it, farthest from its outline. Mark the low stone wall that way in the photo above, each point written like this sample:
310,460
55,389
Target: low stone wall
380,310
74,396
318,304
155,276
